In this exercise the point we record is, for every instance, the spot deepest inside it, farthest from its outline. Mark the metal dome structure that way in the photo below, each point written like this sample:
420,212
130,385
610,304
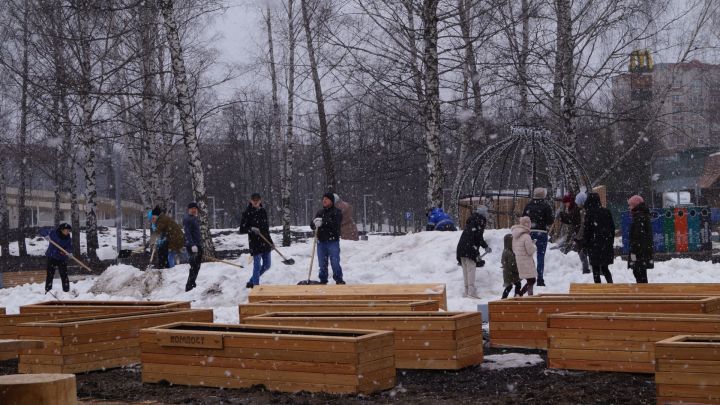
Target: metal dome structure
511,168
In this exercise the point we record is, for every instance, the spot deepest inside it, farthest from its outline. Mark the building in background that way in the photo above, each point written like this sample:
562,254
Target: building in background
39,206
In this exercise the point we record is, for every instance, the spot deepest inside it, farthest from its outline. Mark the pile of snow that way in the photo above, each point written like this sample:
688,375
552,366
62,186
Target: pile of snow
425,257
510,360
106,253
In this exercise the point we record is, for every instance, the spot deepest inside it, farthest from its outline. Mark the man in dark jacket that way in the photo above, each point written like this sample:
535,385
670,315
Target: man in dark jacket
541,217
254,223
327,224
56,258
468,253
641,239
599,237
193,243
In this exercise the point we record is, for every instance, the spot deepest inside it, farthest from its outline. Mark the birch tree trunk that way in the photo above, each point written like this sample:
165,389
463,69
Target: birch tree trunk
4,214
523,61
287,164
275,120
150,136
184,104
568,41
62,150
72,176
330,179
558,74
87,134
22,138
432,104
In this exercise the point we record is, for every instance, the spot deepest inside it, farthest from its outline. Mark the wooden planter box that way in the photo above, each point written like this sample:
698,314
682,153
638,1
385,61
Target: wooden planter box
8,323
106,307
281,358
334,292
617,342
655,288
423,340
522,322
687,370
90,343
268,307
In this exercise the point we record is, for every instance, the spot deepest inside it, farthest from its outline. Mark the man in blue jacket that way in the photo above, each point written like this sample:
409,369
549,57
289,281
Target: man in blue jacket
57,259
193,243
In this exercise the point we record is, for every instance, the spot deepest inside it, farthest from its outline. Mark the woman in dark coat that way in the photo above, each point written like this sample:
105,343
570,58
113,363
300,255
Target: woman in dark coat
599,237
641,239
468,252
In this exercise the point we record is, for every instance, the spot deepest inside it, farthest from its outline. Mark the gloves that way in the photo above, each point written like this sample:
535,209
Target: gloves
255,230
194,249
317,222
488,250
480,263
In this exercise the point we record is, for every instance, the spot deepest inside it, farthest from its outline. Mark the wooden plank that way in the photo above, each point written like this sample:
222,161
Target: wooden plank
600,365
267,307
608,355
655,288
688,378
16,345
351,292
107,307
189,340
689,391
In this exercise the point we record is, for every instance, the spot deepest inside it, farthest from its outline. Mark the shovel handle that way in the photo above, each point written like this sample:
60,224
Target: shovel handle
68,254
312,256
273,246
223,261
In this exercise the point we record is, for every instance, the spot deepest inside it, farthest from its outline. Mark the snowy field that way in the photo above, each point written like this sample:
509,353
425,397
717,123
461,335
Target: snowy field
426,257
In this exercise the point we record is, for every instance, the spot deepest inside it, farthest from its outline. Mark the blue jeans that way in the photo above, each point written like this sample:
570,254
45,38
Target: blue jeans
171,259
261,264
541,242
331,250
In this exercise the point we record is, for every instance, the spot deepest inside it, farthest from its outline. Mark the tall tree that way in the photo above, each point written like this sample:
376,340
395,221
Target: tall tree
23,155
288,158
184,105
328,162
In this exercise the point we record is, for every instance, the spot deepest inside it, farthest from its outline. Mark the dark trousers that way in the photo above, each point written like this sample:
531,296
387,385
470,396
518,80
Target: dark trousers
52,264
506,292
528,287
640,273
162,254
195,261
601,270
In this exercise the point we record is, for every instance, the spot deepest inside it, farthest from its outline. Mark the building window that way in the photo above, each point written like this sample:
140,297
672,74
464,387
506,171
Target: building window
676,98
31,216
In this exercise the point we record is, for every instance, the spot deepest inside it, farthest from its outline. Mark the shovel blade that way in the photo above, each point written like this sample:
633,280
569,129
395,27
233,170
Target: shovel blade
309,282
289,262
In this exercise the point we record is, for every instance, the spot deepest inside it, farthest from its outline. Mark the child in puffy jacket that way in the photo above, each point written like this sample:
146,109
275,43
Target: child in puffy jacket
510,270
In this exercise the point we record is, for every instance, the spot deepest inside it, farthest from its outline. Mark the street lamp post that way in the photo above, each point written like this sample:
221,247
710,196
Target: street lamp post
365,209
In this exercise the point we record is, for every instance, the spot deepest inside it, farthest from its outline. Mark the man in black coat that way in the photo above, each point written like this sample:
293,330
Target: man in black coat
541,217
599,237
327,222
641,239
468,253
193,243
254,223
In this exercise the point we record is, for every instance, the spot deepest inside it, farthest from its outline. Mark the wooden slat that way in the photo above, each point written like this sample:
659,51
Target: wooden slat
266,307
351,292
107,307
654,288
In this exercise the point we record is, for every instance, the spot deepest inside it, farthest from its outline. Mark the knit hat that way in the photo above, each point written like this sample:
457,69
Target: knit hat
525,221
568,198
634,201
482,210
580,198
64,225
193,205
330,196
540,193
255,196
156,211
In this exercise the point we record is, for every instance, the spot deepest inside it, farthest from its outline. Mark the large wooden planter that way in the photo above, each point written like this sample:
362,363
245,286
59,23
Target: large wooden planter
687,370
522,322
423,340
96,342
8,323
106,307
280,358
654,288
371,292
617,342
268,307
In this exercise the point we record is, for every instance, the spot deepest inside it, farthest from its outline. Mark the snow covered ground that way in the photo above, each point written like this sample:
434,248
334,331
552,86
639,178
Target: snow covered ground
425,257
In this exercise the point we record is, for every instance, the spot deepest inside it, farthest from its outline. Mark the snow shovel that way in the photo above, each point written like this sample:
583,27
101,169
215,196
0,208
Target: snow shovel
212,259
308,281
152,256
287,261
83,265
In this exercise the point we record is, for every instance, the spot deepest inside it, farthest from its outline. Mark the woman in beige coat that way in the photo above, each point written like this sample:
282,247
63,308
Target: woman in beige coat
524,249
